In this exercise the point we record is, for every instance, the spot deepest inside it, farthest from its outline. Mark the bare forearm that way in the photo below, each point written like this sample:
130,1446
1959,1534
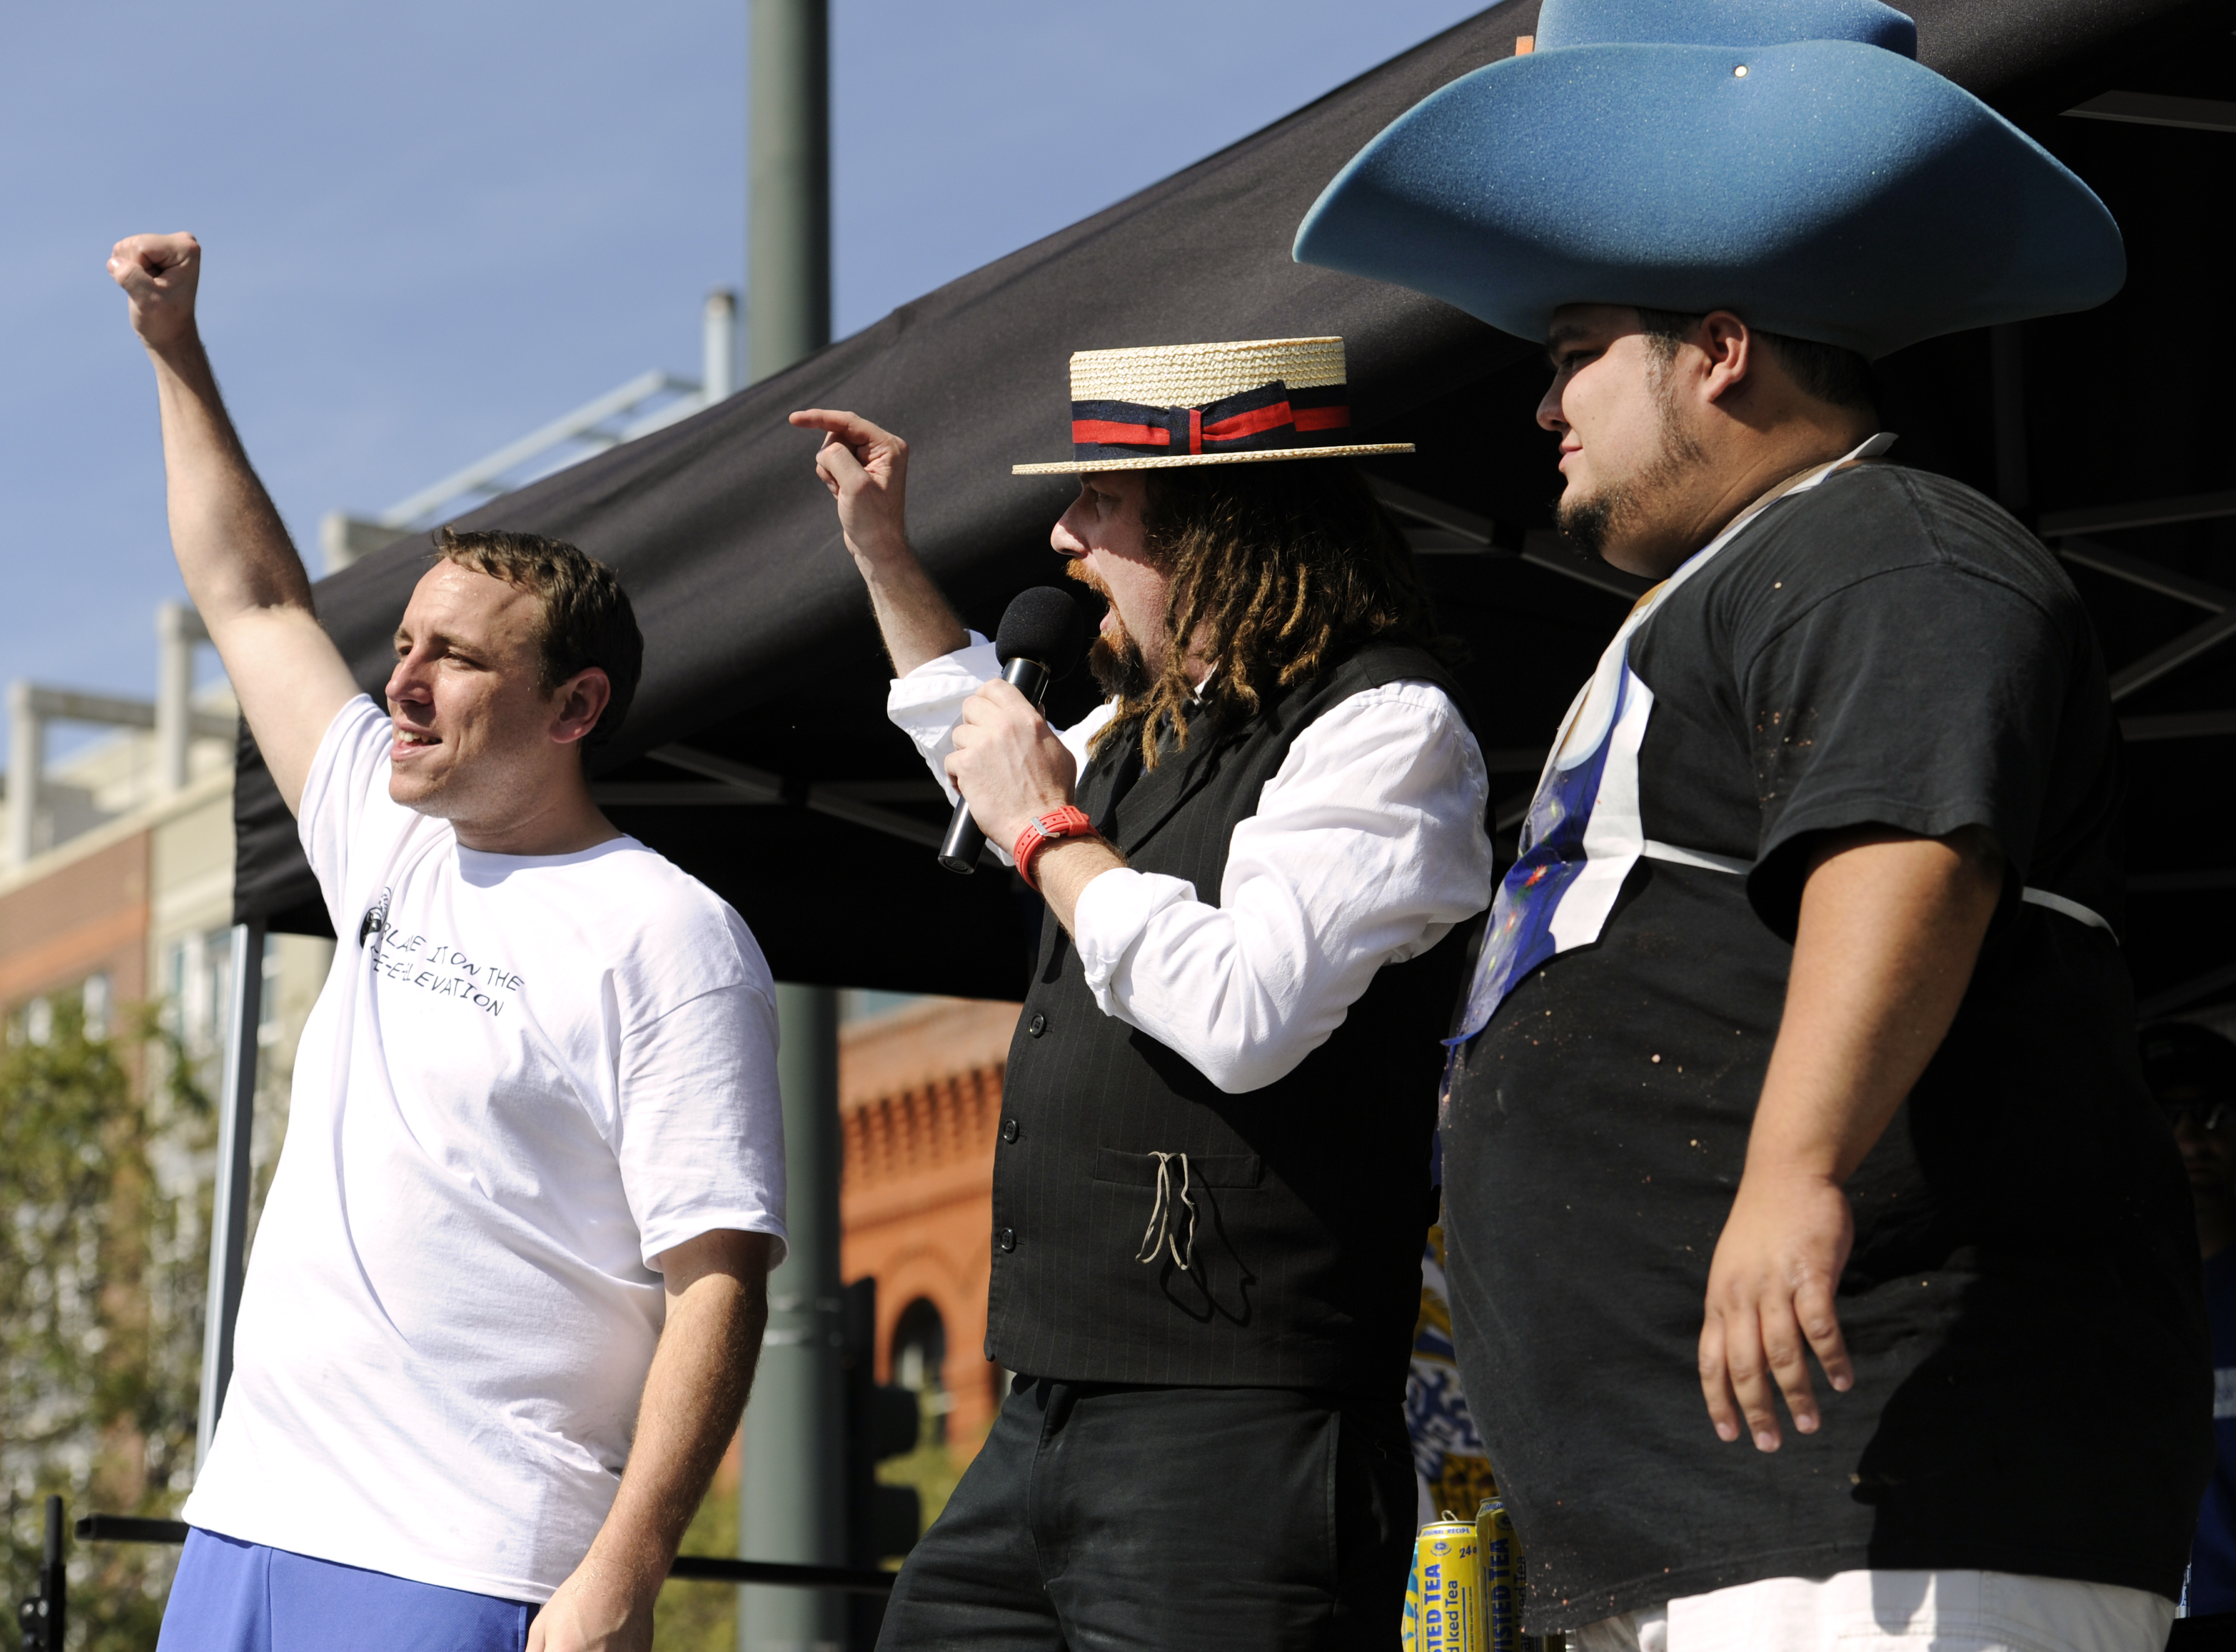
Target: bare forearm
243,575
917,622
231,547
1065,868
693,1398
1890,929
701,1372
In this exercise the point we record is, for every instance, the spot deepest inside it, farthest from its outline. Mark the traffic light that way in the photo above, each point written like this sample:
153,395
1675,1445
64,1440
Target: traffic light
882,1421
41,1617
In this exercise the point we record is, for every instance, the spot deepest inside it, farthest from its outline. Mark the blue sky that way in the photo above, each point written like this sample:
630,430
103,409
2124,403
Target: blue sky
431,227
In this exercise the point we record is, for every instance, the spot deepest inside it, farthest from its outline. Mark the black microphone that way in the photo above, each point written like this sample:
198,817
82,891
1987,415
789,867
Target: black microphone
1041,637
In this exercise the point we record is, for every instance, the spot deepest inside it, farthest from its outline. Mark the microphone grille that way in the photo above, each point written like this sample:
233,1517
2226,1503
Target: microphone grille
1043,624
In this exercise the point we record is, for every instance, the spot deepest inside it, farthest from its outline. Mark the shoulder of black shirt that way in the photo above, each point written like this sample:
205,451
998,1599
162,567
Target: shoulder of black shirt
1878,519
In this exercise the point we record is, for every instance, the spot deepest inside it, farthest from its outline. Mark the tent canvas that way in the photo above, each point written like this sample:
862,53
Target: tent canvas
757,754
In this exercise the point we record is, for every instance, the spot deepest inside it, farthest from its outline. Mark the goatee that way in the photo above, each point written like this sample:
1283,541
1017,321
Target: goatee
1584,523
1619,509
1114,657
1119,668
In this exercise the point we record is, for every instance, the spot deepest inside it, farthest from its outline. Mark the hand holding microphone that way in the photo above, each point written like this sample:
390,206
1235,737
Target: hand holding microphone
1041,637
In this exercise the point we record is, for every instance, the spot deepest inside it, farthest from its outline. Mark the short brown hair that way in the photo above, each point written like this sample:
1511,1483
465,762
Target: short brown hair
587,618
1825,371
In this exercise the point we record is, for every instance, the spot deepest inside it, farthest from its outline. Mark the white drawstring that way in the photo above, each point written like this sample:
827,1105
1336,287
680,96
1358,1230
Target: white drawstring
1158,1235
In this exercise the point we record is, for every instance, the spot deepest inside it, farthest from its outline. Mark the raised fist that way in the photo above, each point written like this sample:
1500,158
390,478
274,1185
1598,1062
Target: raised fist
158,273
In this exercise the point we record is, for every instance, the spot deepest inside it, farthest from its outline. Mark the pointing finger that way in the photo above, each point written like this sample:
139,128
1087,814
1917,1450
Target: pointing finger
850,428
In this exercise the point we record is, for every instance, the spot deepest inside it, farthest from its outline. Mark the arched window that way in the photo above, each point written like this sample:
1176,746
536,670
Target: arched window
920,1351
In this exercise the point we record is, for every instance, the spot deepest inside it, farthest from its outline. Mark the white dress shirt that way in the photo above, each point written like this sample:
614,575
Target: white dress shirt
1367,848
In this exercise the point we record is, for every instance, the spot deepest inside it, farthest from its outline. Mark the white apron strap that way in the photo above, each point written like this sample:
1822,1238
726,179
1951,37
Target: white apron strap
1699,857
2072,909
1706,862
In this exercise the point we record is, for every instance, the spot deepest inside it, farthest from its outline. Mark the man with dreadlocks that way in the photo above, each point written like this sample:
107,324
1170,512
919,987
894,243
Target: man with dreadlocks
1212,1183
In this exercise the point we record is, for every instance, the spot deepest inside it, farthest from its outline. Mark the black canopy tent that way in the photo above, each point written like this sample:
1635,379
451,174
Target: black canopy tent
758,756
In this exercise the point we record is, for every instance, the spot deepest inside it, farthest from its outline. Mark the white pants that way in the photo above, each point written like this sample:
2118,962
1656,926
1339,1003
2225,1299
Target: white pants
1894,1611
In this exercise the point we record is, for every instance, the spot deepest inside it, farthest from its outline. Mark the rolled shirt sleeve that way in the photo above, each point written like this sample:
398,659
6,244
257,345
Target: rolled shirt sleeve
927,704
1367,848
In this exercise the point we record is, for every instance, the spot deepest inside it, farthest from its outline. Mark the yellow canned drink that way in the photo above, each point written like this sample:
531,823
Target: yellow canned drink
1444,1600
1504,1581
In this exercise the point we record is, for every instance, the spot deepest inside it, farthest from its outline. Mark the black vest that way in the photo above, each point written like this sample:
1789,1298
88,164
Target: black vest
1311,1196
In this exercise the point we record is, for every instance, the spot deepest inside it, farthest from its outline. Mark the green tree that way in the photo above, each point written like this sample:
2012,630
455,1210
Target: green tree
695,1617
104,1221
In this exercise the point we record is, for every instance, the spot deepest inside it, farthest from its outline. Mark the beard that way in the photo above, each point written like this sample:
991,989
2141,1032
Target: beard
1615,510
1114,657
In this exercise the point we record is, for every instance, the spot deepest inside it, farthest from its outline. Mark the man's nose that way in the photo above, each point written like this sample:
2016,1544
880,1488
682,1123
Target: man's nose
1549,412
1063,541
407,681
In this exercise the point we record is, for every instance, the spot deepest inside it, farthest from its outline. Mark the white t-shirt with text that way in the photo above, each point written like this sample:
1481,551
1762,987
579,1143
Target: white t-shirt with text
525,1079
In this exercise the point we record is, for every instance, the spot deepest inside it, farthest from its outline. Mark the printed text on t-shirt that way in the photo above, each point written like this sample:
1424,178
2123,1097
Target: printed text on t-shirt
436,966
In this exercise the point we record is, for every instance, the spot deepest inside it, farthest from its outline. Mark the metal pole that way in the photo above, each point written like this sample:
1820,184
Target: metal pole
791,1496
26,743
229,1205
788,171
717,369
178,628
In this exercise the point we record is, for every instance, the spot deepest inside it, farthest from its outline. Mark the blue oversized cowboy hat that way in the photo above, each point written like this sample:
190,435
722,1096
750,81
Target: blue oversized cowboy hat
1788,160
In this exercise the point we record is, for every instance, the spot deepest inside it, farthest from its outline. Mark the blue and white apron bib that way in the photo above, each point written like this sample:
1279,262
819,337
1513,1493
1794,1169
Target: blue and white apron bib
1583,832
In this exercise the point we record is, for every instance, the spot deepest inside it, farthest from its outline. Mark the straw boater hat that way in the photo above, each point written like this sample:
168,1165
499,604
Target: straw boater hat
1789,159
1208,403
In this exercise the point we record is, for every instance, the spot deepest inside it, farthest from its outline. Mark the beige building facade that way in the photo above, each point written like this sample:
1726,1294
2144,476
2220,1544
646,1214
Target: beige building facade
125,901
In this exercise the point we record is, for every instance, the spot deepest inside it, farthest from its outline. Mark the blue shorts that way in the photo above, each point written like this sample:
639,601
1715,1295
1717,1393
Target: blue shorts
235,1596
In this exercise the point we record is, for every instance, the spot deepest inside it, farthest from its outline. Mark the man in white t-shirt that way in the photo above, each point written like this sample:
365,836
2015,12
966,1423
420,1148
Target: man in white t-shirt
508,1289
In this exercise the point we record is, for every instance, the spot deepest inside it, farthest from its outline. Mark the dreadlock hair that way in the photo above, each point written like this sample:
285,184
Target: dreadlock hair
1278,570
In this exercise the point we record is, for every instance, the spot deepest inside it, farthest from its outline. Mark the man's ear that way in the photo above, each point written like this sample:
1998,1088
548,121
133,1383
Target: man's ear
1728,342
578,703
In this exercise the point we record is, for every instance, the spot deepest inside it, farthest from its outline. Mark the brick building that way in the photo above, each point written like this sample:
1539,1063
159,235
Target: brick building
920,1099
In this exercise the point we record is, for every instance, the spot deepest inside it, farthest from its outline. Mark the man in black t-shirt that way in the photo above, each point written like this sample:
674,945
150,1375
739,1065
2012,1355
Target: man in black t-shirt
1848,1059
1800,1025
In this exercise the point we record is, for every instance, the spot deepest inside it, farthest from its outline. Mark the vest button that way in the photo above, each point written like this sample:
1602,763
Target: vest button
1009,1129
1038,1025
1007,1238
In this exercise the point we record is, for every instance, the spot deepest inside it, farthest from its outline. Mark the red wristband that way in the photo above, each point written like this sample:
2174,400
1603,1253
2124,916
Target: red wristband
1066,822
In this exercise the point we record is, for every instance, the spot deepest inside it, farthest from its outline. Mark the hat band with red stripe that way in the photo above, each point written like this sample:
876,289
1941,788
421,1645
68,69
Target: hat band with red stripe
1268,418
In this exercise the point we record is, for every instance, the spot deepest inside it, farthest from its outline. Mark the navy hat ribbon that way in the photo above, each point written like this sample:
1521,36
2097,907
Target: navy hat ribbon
1271,416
